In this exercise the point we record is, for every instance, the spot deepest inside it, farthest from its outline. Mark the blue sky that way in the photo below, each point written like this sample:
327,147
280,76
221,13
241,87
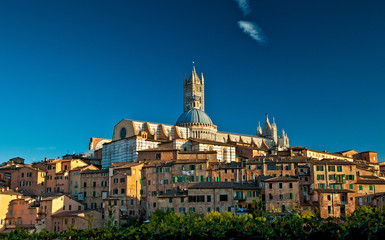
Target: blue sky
71,70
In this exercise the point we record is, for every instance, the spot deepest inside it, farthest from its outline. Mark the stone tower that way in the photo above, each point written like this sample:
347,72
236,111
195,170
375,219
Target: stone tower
283,141
259,129
194,92
274,132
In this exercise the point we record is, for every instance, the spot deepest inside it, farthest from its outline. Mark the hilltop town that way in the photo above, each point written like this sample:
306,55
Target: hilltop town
189,166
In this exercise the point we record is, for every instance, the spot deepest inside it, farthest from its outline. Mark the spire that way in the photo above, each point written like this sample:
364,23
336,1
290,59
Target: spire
274,125
194,76
259,129
202,79
267,128
283,132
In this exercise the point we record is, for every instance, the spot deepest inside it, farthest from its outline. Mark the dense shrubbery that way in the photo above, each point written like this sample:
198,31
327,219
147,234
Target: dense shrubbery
365,223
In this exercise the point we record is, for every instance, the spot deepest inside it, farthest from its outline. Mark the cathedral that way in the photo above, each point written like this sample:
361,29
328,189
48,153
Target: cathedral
193,131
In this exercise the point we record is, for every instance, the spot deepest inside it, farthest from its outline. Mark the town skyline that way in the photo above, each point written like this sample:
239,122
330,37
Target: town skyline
72,71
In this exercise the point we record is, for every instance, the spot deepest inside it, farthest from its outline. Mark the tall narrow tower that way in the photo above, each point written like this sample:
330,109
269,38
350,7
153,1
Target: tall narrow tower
194,92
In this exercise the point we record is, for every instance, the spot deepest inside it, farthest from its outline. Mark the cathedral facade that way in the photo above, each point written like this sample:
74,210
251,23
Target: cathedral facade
193,131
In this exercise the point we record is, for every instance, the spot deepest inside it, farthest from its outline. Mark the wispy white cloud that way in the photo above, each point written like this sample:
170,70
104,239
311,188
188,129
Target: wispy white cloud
252,29
45,148
244,6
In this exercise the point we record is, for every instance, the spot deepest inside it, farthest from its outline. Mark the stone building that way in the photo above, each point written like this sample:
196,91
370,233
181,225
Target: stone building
76,180
22,213
281,194
335,202
28,179
81,219
6,197
124,192
49,206
93,187
193,131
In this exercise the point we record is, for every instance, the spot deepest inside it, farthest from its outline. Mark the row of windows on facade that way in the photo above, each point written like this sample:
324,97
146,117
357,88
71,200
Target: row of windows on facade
280,185
29,174
88,174
56,178
122,202
342,198
336,177
332,168
176,179
28,183
341,186
249,167
14,212
333,186
368,200
13,222
183,167
281,196
94,184
192,209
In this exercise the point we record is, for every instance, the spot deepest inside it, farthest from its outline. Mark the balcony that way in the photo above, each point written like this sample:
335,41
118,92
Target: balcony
240,198
41,212
10,226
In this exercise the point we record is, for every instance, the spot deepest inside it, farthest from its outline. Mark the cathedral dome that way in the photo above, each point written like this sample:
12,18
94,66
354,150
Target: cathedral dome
194,116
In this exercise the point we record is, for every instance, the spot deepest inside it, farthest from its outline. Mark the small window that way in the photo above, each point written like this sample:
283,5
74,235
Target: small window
223,198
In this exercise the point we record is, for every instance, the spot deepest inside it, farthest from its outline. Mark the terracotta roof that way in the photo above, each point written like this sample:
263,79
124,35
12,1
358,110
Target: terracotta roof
95,171
371,181
72,213
231,165
333,162
209,185
198,152
128,165
279,159
51,197
281,179
329,153
174,193
117,164
159,163
246,186
10,192
368,177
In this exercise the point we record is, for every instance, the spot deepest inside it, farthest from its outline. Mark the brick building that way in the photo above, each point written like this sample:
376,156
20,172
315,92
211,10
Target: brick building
281,194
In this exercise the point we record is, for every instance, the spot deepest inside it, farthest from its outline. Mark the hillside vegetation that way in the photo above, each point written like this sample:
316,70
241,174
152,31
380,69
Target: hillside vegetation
365,223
